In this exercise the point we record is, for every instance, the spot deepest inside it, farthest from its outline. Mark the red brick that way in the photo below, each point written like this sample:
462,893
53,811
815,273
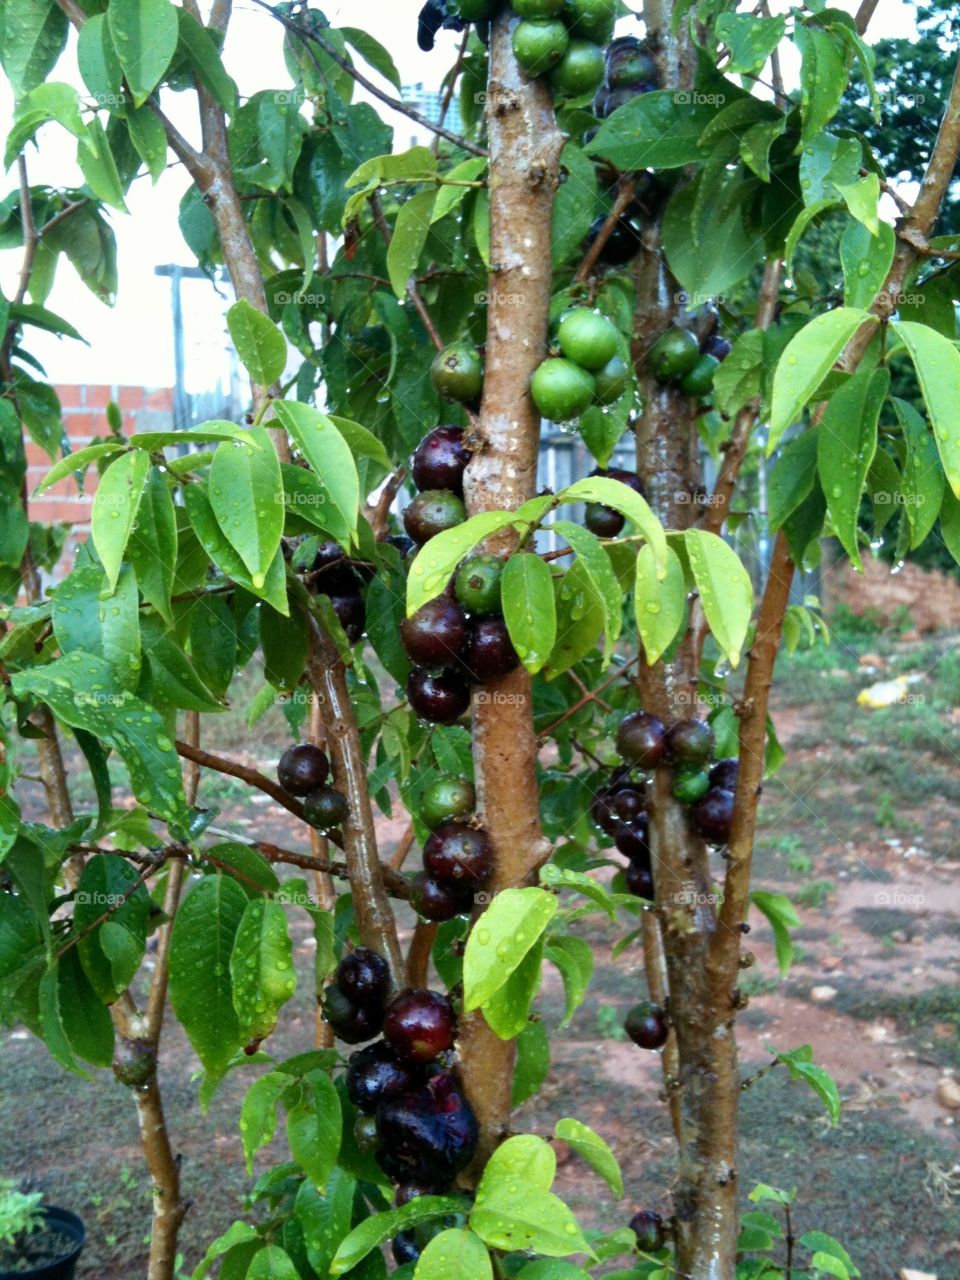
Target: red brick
84,423
71,396
130,397
60,509
160,399
98,397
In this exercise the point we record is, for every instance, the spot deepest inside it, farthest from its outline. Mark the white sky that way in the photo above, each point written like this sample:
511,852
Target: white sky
131,343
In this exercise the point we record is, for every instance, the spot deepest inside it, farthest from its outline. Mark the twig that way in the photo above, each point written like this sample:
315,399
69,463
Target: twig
403,848
233,769
625,194
381,512
451,85
864,14
419,952
589,696
395,104
413,293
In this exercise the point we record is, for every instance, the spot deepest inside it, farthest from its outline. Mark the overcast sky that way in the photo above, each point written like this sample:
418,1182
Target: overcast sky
132,341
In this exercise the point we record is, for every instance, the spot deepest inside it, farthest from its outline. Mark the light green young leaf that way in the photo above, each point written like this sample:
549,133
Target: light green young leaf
215,544
246,494
596,565
261,968
115,506
34,35
937,362
529,608
272,1263
323,446
750,40
660,602
623,499
145,35
435,562
516,1217
846,444
823,78
805,363
152,549
574,958
48,101
374,1230
863,199
923,480
74,463
866,260
507,1011
409,237
258,1113
782,915
533,1062
524,1158
800,1064
510,926
726,591
592,1148
261,346
456,1254
238,1233
314,1126
98,166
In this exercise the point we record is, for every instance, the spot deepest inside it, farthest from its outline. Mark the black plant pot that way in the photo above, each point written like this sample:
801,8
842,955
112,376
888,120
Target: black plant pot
74,1236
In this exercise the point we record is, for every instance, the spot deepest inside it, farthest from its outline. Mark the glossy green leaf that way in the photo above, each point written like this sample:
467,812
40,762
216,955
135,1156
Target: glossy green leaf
379,1227
799,1062
285,643
98,62
314,1127
805,363
203,54
261,346
823,78
574,207
99,167
846,443
246,494
215,544
658,130
261,968
659,602
174,679
258,1113
33,37
750,40
507,1011
150,140
409,237
623,499
111,952
937,362
592,1148
145,35
532,1062
328,453
580,620
922,483
272,1263
574,958
510,926
782,916
152,549
48,101
516,1217
74,1022
75,463
862,198
373,52
115,507
866,261
792,477
456,1254
435,562
596,565
119,616
828,162
726,592
529,608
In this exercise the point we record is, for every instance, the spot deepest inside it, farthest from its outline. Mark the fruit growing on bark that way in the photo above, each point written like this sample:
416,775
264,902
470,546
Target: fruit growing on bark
724,774
622,245
364,976
632,840
588,338
717,346
489,653
646,1025
713,815
561,390
332,572
630,63
431,512
639,881
537,9
699,381
440,460
690,783
539,44
641,739
353,1023
459,855
628,803
673,354
419,1024
457,372
303,768
352,615
435,900
647,1226
477,584
376,1073
404,1248
612,380
590,19
325,808
435,635
428,1135
441,697
445,799
579,70
690,741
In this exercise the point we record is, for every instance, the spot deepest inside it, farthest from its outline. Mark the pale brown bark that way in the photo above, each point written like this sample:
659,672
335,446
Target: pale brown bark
524,146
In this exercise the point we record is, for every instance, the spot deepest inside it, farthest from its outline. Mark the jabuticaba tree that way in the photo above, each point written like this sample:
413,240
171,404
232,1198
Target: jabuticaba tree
607,245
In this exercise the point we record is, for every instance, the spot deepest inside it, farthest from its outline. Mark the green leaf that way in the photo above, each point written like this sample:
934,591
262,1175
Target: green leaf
532,1062
320,442
98,62
308,498
33,36
623,499
592,1148
862,199
596,565
740,377
261,968
115,507
922,482
826,164
823,78
803,220
74,1022
363,443
658,130
574,958
725,255
152,549
149,139
601,429
75,463
558,1269
379,1227
660,603
174,678
937,362
145,35
757,142
822,1246
866,260
272,1263
82,691
251,869
726,591
846,444
373,52
258,1113
409,237
99,168
434,563
799,1063
238,1233
111,953
792,477
510,926
525,1218
261,346
216,546
805,363
203,54
204,930
750,40
285,643
508,1010
419,164
246,494
782,916
529,608
48,101
314,1128
456,1254
574,207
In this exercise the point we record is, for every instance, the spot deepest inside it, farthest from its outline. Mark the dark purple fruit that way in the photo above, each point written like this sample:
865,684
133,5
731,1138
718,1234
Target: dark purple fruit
440,460
458,855
427,1136
724,774
351,613
364,976
332,572
690,741
646,1025
376,1073
628,803
641,739
420,1024
436,634
437,901
353,1023
602,814
441,698
647,1226
404,1248
639,881
603,522
325,808
489,652
713,816
630,64
716,346
431,513
403,544
303,768
623,244
632,839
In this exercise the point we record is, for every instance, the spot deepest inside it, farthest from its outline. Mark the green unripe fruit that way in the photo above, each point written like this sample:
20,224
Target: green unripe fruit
471,10
365,1132
457,372
690,783
699,381
447,799
539,45
673,354
537,9
477,584
590,19
580,69
612,380
588,338
325,808
562,390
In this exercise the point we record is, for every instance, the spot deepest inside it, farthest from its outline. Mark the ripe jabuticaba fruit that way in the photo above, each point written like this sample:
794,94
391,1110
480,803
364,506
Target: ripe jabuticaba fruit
353,1023
376,1073
364,976
713,815
489,653
332,571
724,774
477,584
639,880
428,1135
717,346
690,741
404,1248
457,372
629,63
459,855
436,900
419,1024
632,840
628,803
445,799
325,808
431,512
303,768
351,613
646,1025
641,739
647,1226
623,244
440,698
440,460
436,634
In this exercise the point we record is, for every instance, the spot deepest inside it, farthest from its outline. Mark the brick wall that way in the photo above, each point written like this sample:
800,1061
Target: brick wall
84,418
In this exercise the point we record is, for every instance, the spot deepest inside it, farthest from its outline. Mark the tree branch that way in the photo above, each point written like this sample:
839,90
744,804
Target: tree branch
233,769
625,193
